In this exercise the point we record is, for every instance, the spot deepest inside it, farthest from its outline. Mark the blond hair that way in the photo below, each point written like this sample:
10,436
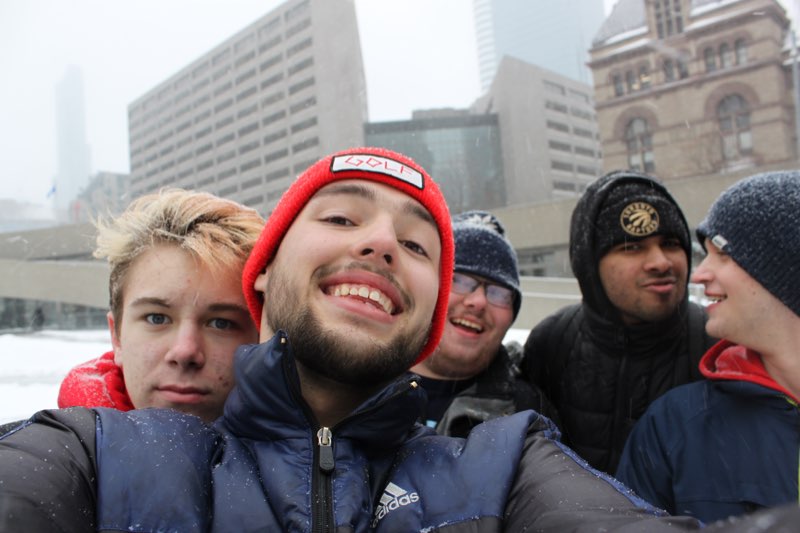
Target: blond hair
217,232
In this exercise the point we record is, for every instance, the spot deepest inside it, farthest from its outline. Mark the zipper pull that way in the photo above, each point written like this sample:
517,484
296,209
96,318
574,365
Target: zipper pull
325,440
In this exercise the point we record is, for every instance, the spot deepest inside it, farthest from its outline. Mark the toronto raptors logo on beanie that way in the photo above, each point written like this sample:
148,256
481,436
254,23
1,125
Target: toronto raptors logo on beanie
373,164
639,219
637,207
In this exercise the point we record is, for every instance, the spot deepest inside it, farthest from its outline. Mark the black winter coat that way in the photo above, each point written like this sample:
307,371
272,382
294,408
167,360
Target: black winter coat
600,373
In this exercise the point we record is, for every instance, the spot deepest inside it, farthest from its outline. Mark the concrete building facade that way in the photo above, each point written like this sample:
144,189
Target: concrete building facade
692,88
551,35
548,131
247,117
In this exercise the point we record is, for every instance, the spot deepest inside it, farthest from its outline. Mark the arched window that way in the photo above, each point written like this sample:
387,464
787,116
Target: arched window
741,51
733,115
711,59
640,146
725,56
669,70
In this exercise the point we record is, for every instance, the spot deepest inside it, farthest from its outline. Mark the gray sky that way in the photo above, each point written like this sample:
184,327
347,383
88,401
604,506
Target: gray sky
125,48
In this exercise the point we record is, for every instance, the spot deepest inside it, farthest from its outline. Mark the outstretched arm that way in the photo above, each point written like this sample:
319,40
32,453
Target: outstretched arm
47,473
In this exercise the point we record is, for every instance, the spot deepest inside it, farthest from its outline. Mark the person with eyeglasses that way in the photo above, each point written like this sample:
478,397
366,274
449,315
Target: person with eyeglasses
470,377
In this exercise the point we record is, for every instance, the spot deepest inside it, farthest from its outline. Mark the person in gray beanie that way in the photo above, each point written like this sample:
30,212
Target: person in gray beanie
470,377
729,445
634,335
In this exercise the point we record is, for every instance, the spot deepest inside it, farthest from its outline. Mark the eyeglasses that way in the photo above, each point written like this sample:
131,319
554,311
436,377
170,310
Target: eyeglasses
495,294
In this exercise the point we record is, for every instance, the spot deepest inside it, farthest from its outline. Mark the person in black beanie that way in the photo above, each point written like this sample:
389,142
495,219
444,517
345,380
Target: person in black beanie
729,445
635,335
470,377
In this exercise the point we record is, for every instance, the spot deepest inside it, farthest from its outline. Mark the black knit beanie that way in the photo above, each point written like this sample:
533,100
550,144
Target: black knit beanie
756,221
636,210
482,249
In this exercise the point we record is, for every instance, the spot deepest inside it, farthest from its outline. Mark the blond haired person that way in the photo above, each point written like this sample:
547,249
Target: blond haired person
177,313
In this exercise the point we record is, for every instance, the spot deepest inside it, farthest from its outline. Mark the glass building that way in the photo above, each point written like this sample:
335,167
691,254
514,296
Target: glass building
460,151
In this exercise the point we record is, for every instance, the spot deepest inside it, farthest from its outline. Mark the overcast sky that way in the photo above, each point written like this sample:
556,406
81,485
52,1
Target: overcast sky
126,47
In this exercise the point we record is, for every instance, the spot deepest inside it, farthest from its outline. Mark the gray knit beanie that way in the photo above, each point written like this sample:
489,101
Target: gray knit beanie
482,249
756,221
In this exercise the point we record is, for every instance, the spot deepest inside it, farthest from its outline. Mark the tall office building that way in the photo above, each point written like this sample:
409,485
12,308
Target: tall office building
555,35
73,156
246,118
548,132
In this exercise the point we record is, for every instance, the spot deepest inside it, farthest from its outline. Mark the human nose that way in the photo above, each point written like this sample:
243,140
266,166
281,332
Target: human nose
657,260
477,298
379,242
702,274
187,349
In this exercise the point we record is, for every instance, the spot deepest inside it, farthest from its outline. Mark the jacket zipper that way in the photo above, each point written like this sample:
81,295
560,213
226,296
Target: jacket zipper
322,476
323,481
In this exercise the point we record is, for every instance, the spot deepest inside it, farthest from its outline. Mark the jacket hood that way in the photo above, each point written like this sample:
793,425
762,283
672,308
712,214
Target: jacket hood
585,244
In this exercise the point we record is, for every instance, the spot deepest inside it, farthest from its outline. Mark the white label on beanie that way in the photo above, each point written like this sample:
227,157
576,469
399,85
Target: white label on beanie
379,165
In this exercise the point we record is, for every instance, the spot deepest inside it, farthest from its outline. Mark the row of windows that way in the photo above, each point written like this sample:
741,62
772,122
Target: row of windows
725,56
557,88
560,126
566,147
570,167
296,107
733,118
167,97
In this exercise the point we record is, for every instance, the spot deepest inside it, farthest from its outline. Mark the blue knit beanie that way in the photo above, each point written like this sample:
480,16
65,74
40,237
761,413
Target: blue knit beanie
756,221
482,249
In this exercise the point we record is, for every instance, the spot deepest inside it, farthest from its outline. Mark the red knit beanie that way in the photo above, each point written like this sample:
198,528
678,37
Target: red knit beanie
376,164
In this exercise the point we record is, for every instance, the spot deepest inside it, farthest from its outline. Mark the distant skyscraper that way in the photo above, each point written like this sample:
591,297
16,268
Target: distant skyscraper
555,35
254,112
74,166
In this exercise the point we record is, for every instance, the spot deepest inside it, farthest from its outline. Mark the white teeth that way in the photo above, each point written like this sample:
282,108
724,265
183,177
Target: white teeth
467,324
362,291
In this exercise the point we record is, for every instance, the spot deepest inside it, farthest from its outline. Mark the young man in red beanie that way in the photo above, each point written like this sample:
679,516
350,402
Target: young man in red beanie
350,281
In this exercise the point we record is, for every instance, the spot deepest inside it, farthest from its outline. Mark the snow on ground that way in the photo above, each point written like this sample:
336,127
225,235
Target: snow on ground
32,366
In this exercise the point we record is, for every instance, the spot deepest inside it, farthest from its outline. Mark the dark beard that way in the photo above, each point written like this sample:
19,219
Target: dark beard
329,355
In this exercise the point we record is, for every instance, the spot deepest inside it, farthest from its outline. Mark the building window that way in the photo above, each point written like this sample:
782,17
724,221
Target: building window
669,70
640,146
734,126
741,51
683,68
668,17
644,77
725,56
619,89
710,59
631,82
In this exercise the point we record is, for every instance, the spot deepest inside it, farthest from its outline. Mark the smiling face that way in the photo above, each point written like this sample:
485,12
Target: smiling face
741,309
180,326
645,279
354,282
472,336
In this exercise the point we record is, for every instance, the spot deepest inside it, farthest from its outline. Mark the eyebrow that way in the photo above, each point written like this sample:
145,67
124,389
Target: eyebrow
409,207
216,308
